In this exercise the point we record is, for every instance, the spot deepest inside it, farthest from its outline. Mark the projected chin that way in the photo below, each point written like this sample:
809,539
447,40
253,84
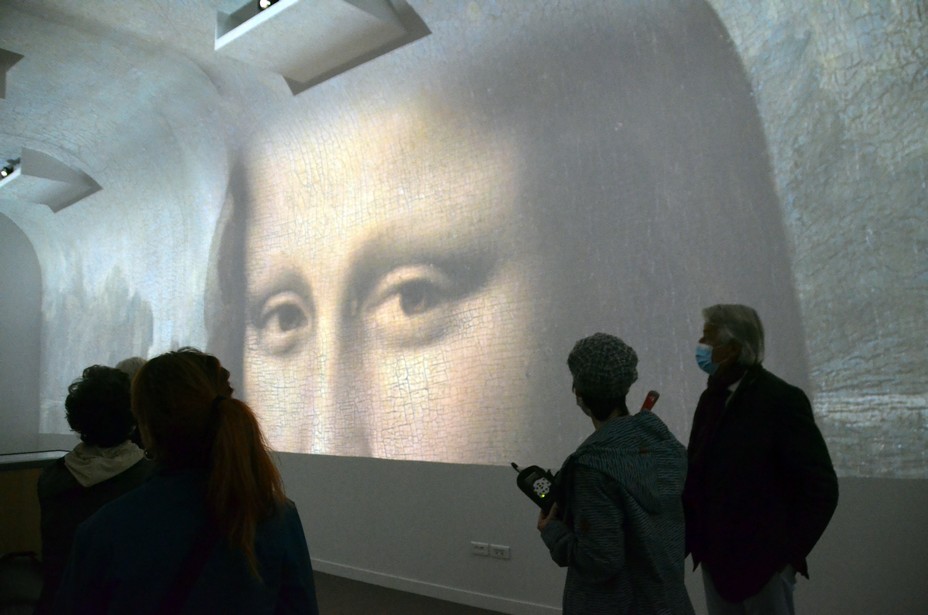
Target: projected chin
390,291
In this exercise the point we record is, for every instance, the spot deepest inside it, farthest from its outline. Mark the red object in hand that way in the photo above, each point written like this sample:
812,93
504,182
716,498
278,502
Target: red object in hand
649,401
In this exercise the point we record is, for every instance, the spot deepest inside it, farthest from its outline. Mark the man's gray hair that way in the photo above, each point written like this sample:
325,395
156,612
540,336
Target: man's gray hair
130,366
738,323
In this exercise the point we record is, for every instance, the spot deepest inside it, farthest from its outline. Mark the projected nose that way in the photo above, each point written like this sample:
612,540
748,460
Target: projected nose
338,421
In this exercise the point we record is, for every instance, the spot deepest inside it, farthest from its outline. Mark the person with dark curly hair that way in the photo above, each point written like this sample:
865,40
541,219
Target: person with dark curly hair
102,467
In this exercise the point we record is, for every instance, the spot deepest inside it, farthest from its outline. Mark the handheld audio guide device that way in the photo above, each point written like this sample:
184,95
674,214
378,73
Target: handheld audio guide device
537,484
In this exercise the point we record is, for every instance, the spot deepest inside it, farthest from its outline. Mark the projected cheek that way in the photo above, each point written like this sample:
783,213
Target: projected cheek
411,305
457,396
282,323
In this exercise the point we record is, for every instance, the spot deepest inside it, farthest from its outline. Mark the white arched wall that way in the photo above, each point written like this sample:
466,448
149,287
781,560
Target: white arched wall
20,338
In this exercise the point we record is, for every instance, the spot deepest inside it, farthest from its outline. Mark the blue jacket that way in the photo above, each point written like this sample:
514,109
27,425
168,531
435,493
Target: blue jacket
622,534
127,556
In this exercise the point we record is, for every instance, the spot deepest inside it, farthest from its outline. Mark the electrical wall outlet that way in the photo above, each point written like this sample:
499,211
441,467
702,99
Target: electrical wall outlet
499,551
479,548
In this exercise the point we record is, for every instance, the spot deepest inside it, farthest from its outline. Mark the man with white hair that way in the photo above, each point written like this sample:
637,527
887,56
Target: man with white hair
619,529
761,487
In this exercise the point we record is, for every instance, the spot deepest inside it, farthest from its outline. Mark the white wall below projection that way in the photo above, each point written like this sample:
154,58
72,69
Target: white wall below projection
409,526
395,263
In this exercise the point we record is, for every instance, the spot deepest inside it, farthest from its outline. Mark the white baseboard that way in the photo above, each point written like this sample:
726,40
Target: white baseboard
442,592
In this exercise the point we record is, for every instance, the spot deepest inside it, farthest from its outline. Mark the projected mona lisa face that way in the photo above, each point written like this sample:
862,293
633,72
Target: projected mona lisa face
391,309
421,240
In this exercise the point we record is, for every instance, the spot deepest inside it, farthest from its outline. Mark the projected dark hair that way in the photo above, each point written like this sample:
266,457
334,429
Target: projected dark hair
97,406
636,137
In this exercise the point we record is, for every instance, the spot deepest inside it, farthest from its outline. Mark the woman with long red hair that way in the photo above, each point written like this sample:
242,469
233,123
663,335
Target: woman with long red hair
212,531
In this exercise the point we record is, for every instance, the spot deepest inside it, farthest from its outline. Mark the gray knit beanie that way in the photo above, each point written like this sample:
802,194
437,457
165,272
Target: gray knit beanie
603,366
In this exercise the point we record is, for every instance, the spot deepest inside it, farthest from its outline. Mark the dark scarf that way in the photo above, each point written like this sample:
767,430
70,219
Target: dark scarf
709,412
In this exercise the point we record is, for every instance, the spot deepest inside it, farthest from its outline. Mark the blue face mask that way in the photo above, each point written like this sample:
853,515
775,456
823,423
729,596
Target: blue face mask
704,359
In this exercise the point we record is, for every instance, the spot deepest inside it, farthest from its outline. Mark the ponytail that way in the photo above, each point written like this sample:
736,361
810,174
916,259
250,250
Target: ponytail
244,485
188,418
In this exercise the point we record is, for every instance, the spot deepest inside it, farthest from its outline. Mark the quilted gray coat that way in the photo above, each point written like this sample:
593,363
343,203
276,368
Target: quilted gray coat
621,532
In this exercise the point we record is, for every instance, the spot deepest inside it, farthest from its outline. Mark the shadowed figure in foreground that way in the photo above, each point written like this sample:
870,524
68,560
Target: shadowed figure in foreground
211,531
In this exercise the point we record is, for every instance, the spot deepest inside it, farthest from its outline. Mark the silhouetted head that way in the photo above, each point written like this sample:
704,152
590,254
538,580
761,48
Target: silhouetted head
603,369
130,366
176,397
738,326
97,406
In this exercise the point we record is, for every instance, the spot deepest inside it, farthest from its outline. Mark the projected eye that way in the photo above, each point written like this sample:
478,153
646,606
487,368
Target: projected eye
411,305
282,323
